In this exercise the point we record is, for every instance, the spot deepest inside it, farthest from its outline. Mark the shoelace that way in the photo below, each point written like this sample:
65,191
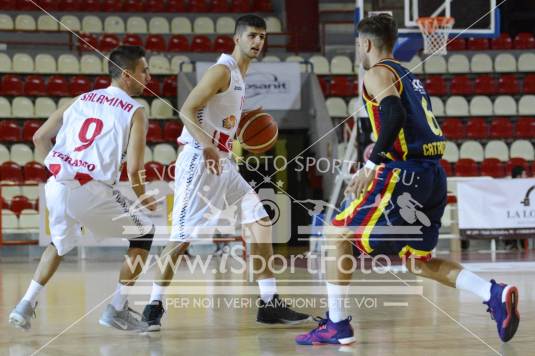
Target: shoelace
489,310
321,322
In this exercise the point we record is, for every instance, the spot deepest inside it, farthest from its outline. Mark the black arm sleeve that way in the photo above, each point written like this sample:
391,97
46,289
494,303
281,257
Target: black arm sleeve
393,118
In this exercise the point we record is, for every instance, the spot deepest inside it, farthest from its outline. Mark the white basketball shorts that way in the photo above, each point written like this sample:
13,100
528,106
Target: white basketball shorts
98,207
206,204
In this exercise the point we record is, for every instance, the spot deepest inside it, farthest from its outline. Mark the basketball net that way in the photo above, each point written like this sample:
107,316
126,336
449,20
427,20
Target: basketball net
435,31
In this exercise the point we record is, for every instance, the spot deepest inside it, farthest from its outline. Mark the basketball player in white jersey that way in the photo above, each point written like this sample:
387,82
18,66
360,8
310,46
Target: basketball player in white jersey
94,134
206,177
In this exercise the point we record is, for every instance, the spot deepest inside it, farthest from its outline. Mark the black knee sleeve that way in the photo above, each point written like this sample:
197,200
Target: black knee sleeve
144,242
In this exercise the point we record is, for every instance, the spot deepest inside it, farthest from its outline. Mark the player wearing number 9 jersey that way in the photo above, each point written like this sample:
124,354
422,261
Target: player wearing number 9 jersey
94,134
396,201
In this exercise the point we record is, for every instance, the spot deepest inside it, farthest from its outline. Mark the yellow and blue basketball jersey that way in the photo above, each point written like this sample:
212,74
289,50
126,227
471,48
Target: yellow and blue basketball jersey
421,136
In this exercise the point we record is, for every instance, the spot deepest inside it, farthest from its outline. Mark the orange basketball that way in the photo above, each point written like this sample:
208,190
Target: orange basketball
257,131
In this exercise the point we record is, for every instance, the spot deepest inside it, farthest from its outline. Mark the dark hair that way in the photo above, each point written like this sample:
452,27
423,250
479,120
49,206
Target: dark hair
383,27
124,57
517,171
249,20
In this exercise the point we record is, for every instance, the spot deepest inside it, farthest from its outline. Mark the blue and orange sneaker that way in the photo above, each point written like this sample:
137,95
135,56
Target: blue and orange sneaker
503,308
327,332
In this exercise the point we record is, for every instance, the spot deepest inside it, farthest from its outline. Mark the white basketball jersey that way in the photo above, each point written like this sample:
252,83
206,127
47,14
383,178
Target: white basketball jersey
221,115
93,138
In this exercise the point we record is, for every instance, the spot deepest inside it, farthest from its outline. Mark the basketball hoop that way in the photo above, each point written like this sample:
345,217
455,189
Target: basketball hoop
435,31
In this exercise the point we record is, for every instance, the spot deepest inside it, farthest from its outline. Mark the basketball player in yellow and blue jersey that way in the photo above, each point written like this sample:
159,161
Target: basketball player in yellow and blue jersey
401,186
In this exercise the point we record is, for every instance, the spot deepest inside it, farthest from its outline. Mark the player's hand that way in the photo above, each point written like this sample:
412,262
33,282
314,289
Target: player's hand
360,182
148,202
211,159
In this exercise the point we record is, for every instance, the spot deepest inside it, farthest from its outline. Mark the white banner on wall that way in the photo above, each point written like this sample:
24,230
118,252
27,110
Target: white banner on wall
273,86
497,207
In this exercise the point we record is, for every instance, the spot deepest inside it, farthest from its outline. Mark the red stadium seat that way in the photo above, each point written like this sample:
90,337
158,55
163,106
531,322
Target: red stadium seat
198,6
154,132
492,167
508,84
501,127
87,42
529,84
154,171
11,172
466,167
262,6
340,86
435,85
240,6
223,44
176,6
201,43
172,130
155,43
35,172
178,43
57,86
132,39
90,6
25,5
477,129
152,88
69,5
525,128
355,86
80,84
458,44
486,85
12,85
453,129
28,129
219,6
524,40
461,85
19,203
155,6
169,87
35,86
502,42
325,86
9,131
517,161
477,44
102,81
111,6
447,167
133,6
8,5
108,41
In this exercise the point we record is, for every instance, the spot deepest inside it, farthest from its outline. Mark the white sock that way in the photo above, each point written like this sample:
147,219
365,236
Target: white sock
268,288
119,298
337,295
157,292
471,282
33,292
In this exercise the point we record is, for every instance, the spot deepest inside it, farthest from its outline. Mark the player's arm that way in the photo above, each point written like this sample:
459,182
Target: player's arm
381,85
135,157
215,80
42,138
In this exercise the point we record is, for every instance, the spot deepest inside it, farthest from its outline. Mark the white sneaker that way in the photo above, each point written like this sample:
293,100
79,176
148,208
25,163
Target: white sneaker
22,315
122,319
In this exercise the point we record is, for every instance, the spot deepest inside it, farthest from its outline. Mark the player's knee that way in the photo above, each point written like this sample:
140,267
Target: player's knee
143,242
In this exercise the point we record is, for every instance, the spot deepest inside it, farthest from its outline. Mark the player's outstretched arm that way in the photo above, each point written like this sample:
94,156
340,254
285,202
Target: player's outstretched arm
42,138
135,157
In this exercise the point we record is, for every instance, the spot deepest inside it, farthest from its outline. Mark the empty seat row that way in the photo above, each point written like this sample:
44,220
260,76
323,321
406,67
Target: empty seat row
20,202
339,85
30,172
477,63
485,84
490,167
499,128
150,6
523,40
28,219
57,85
493,149
23,107
133,24
481,105
157,43
19,153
